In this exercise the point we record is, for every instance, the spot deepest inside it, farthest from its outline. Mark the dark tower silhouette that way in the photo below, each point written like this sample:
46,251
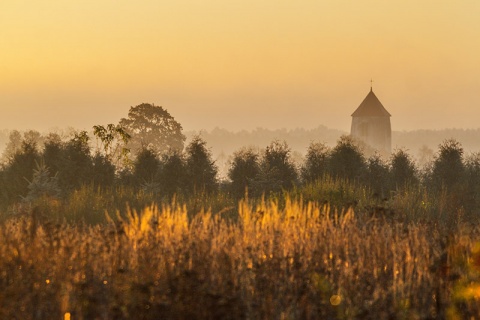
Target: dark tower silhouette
371,124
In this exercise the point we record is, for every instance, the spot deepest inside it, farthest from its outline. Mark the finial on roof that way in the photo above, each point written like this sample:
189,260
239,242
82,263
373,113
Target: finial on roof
371,84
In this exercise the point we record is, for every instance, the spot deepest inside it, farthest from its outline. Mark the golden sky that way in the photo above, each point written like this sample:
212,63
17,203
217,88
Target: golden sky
239,64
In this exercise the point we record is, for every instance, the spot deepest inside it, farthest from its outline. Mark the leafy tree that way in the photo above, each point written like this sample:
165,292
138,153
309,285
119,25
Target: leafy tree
472,180
447,175
19,172
201,171
448,168
243,170
378,176
154,128
145,166
42,184
53,153
76,165
172,174
402,170
277,171
347,160
15,142
14,146
103,171
33,136
114,140
316,162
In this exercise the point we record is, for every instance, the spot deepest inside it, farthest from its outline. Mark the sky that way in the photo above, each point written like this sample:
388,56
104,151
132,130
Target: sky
239,64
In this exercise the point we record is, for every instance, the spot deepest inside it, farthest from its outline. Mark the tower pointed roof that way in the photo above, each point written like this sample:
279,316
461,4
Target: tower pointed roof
371,107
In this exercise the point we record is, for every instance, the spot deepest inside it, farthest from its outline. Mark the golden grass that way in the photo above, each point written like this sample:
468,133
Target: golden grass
298,261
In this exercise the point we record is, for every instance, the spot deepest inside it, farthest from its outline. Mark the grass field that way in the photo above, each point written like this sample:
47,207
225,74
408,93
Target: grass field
278,259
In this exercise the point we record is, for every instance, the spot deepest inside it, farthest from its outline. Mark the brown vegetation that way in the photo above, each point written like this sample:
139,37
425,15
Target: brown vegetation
295,261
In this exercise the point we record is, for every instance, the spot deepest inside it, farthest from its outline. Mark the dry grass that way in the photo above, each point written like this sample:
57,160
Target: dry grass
301,261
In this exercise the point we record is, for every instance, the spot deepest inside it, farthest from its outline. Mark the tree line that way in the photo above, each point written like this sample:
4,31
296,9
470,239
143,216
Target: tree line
146,152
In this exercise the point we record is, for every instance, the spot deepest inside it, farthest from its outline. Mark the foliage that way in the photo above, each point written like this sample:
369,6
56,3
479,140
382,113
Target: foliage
42,184
201,170
114,140
152,127
277,170
145,167
103,171
403,169
243,170
378,176
172,173
76,162
18,172
316,162
347,160
448,167
13,147
299,260
325,248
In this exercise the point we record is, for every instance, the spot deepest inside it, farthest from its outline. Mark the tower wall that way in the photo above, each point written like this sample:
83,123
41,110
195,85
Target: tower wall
374,131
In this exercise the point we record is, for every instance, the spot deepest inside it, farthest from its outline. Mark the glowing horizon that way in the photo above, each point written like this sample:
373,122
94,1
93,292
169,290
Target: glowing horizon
239,65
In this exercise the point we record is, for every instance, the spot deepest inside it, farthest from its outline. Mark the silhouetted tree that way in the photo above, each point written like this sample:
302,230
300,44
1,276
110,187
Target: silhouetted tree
472,181
103,171
347,160
145,166
53,153
316,162
76,165
201,172
402,170
448,168
19,171
43,184
154,128
378,178
243,170
277,171
172,173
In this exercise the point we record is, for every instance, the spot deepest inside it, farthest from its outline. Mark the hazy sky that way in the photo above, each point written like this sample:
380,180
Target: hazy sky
239,64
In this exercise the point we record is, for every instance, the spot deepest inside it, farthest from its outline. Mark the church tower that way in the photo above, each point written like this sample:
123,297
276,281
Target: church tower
371,124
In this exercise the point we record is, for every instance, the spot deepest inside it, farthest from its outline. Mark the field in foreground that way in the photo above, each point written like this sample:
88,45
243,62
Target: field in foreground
295,261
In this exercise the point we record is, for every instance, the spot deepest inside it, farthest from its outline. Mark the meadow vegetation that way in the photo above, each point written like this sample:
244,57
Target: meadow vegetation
100,233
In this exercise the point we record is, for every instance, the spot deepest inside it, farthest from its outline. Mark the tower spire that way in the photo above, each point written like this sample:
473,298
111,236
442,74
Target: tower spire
371,84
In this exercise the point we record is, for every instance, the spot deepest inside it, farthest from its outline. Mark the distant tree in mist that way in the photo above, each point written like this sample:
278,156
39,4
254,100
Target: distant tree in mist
403,170
152,127
277,170
472,180
347,160
76,163
103,171
113,140
145,167
448,177
43,184
448,168
315,165
19,171
377,176
171,173
13,146
201,171
243,170
425,156
15,141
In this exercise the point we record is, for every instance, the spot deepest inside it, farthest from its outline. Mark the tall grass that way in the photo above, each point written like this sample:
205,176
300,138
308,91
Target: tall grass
291,260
